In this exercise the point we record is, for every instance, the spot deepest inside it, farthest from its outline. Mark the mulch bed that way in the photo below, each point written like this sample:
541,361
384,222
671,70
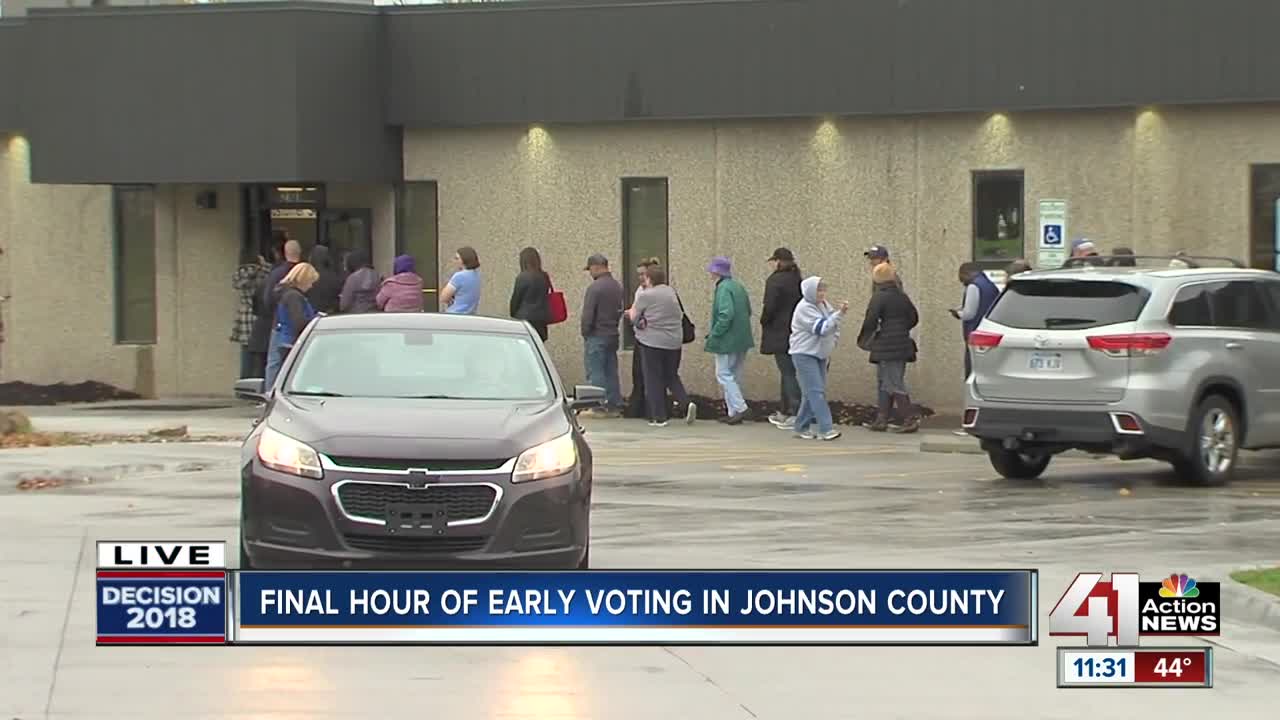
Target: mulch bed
842,413
21,393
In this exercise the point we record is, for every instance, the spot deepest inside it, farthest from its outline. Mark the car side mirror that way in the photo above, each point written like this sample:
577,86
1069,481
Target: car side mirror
587,396
250,389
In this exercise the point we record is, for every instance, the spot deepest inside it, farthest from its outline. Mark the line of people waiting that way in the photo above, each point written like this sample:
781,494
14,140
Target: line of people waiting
800,327
277,299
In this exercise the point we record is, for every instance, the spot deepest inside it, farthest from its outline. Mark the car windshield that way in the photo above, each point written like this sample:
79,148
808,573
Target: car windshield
420,364
1068,304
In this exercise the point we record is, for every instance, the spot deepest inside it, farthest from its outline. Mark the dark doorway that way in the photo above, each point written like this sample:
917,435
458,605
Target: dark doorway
345,230
1264,232
418,234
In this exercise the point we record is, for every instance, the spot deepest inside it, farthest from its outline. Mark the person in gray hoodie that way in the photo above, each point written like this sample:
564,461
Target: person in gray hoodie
360,291
815,329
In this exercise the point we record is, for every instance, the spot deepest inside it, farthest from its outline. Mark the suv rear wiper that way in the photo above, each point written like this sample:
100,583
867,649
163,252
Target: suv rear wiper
316,393
433,397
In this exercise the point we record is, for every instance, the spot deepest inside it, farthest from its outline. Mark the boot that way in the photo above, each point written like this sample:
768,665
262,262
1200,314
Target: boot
881,421
910,420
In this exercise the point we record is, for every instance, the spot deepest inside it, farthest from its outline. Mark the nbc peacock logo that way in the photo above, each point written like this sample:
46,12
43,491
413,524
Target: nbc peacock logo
1179,586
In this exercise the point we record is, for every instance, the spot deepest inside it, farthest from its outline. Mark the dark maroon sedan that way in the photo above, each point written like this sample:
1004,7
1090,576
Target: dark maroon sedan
416,440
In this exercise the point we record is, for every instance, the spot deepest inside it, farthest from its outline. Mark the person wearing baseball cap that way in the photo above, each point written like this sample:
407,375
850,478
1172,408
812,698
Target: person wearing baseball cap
601,311
877,255
781,296
730,336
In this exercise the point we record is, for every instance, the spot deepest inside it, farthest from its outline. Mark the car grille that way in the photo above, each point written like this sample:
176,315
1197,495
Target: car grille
462,502
416,545
435,466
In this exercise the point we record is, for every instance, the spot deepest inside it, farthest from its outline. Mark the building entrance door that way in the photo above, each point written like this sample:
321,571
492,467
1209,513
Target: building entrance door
345,230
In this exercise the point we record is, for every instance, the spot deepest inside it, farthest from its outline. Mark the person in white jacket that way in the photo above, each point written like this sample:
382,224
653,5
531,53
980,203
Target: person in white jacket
815,328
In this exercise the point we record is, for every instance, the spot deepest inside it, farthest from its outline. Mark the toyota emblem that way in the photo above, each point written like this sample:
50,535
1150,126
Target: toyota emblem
1041,341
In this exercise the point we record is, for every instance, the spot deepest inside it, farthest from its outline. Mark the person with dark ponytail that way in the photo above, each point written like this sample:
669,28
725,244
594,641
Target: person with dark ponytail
529,301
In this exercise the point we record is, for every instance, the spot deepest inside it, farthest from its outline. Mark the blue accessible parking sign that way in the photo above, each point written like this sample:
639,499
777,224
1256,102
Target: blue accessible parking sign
1052,236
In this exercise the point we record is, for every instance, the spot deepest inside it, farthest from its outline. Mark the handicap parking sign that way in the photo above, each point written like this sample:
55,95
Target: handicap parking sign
1052,236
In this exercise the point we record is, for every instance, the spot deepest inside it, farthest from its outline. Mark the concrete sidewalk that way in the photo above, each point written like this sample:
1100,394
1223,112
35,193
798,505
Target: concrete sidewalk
203,416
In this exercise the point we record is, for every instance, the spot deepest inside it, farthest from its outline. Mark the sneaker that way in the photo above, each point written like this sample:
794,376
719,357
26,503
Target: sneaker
737,419
778,418
806,435
831,434
786,424
691,413
876,425
960,433
657,423
906,427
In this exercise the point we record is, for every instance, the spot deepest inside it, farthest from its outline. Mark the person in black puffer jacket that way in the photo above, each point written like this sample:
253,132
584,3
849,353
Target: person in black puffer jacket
886,335
781,295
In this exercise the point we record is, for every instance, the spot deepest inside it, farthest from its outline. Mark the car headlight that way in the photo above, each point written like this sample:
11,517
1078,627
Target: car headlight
284,454
551,458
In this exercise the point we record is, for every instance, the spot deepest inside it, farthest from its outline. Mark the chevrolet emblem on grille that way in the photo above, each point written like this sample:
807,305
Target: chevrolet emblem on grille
418,478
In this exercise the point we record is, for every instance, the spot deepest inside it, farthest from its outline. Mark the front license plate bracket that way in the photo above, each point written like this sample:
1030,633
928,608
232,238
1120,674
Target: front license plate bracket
416,519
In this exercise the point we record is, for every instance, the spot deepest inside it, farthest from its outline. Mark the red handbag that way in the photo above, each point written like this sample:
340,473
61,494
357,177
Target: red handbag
557,308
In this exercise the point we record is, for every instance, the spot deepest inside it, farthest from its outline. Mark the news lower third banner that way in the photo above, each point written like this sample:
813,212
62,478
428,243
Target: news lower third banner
636,607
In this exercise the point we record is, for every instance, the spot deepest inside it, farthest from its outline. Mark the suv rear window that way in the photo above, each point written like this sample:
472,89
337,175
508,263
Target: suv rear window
1068,304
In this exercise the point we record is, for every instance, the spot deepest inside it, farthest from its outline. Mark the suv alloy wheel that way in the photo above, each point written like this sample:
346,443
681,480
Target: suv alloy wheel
1214,443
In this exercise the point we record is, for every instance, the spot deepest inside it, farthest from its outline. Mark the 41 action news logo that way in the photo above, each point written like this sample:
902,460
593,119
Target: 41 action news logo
1125,608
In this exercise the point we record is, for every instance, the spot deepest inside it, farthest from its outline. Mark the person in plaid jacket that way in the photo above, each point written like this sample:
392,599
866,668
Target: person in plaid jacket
247,280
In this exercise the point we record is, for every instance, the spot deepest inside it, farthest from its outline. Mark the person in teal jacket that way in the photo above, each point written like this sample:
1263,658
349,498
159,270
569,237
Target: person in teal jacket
730,336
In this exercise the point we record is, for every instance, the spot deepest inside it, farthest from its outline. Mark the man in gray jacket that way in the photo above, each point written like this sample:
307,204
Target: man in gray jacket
601,312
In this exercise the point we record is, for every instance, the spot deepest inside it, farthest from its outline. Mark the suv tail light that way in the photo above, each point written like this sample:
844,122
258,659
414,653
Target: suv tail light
1133,345
982,341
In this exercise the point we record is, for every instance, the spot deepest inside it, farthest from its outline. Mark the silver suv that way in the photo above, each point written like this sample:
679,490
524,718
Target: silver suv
1179,362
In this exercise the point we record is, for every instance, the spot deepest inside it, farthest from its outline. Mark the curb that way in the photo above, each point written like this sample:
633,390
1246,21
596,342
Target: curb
1250,605
963,447
103,472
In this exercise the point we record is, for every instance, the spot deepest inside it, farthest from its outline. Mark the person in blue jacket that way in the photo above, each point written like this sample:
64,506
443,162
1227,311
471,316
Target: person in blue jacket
293,310
979,295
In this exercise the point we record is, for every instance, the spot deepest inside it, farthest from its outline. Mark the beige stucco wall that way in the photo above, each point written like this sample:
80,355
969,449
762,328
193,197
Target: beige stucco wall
1156,181
58,273
58,317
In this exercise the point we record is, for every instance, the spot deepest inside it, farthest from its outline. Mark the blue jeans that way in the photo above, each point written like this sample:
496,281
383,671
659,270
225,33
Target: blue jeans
600,355
274,361
811,371
729,375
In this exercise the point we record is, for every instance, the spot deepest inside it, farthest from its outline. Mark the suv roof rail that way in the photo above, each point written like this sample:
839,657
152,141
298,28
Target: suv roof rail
1190,261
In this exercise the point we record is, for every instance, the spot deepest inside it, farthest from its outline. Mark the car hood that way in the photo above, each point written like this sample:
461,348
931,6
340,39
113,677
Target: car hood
419,429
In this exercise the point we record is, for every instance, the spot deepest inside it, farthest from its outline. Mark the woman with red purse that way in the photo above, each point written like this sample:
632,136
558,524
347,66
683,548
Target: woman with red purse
533,298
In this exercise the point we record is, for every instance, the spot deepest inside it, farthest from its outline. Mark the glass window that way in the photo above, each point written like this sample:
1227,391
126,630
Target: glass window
1236,304
1264,225
1067,304
135,264
997,216
1192,306
421,364
1239,304
1273,291
644,233
418,234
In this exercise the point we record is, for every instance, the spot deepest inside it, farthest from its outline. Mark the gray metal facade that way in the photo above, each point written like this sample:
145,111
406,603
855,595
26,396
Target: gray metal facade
307,91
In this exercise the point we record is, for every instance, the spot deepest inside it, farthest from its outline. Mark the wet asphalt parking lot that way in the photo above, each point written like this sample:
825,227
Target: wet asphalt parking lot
703,497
